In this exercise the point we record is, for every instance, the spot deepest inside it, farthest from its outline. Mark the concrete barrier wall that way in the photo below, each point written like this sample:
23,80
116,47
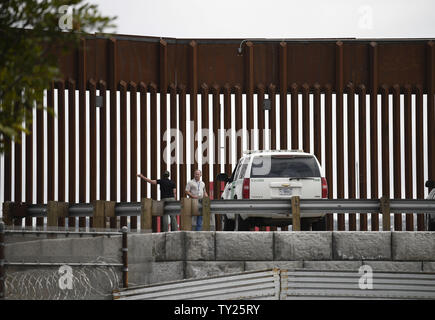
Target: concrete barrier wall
160,257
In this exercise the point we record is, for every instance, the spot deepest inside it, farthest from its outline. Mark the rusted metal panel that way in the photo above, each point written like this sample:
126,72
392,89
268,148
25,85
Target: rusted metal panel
362,135
408,154
397,161
374,130
351,150
339,126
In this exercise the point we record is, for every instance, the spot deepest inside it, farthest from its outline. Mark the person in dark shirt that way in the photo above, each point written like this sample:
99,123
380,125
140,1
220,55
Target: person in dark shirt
168,191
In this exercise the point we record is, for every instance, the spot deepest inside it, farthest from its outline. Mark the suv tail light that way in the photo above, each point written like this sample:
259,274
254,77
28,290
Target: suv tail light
245,191
324,188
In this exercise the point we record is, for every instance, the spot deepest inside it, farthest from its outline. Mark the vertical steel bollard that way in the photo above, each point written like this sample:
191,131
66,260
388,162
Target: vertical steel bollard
124,257
2,261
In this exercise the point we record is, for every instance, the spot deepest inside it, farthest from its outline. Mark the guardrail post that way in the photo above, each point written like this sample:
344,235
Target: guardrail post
124,257
2,261
146,217
186,214
206,214
99,215
109,211
385,209
296,213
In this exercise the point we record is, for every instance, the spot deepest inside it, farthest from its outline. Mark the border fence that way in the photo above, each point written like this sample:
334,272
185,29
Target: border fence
365,108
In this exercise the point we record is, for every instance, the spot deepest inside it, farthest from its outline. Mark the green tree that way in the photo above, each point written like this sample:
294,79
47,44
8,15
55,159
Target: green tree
33,35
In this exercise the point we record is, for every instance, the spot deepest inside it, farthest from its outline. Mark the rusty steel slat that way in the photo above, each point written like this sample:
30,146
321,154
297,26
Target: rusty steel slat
317,123
294,116
123,142
351,151
18,150
28,196
103,141
82,77
133,148
92,144
194,98
8,170
71,146
397,154
374,130
260,116
339,126
92,140
163,103
430,78
239,118
283,95
153,141
183,142
385,114
216,127
227,133
61,145
249,87
50,143
173,123
306,118
328,151
143,137
408,155
113,80
205,134
39,161
419,151
272,116
362,136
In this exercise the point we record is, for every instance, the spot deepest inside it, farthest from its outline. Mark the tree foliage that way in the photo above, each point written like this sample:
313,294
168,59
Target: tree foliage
32,38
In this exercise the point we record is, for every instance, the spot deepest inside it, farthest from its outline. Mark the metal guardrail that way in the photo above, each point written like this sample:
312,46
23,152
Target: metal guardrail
263,285
279,284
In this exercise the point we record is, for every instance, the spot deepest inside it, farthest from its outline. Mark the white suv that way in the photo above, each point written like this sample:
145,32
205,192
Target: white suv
274,174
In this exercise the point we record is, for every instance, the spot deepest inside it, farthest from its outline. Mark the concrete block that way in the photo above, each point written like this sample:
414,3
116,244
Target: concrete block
413,245
139,273
266,265
239,246
112,247
361,245
200,245
429,266
167,271
59,250
333,265
140,248
202,269
395,266
175,246
87,249
303,245
23,251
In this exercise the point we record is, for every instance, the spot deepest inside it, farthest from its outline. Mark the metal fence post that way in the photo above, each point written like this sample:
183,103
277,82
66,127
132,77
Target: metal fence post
124,257
206,214
296,213
385,209
186,214
2,261
146,214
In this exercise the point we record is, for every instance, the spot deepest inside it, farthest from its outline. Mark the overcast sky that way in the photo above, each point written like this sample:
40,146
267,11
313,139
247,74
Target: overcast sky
273,18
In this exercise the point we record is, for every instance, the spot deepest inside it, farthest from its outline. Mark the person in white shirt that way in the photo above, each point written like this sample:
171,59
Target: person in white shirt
195,189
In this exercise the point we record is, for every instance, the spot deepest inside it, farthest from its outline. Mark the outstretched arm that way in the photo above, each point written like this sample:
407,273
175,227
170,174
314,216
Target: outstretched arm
140,175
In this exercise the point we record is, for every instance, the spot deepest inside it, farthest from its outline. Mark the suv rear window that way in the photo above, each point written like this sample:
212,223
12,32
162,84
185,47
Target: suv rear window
285,166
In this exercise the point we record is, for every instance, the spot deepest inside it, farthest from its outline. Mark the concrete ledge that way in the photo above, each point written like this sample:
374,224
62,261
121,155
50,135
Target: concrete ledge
409,245
202,269
333,265
166,271
361,245
200,245
249,246
303,245
395,266
263,265
429,266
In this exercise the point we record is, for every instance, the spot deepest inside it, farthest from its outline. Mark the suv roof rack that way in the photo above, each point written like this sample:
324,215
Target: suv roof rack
260,151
